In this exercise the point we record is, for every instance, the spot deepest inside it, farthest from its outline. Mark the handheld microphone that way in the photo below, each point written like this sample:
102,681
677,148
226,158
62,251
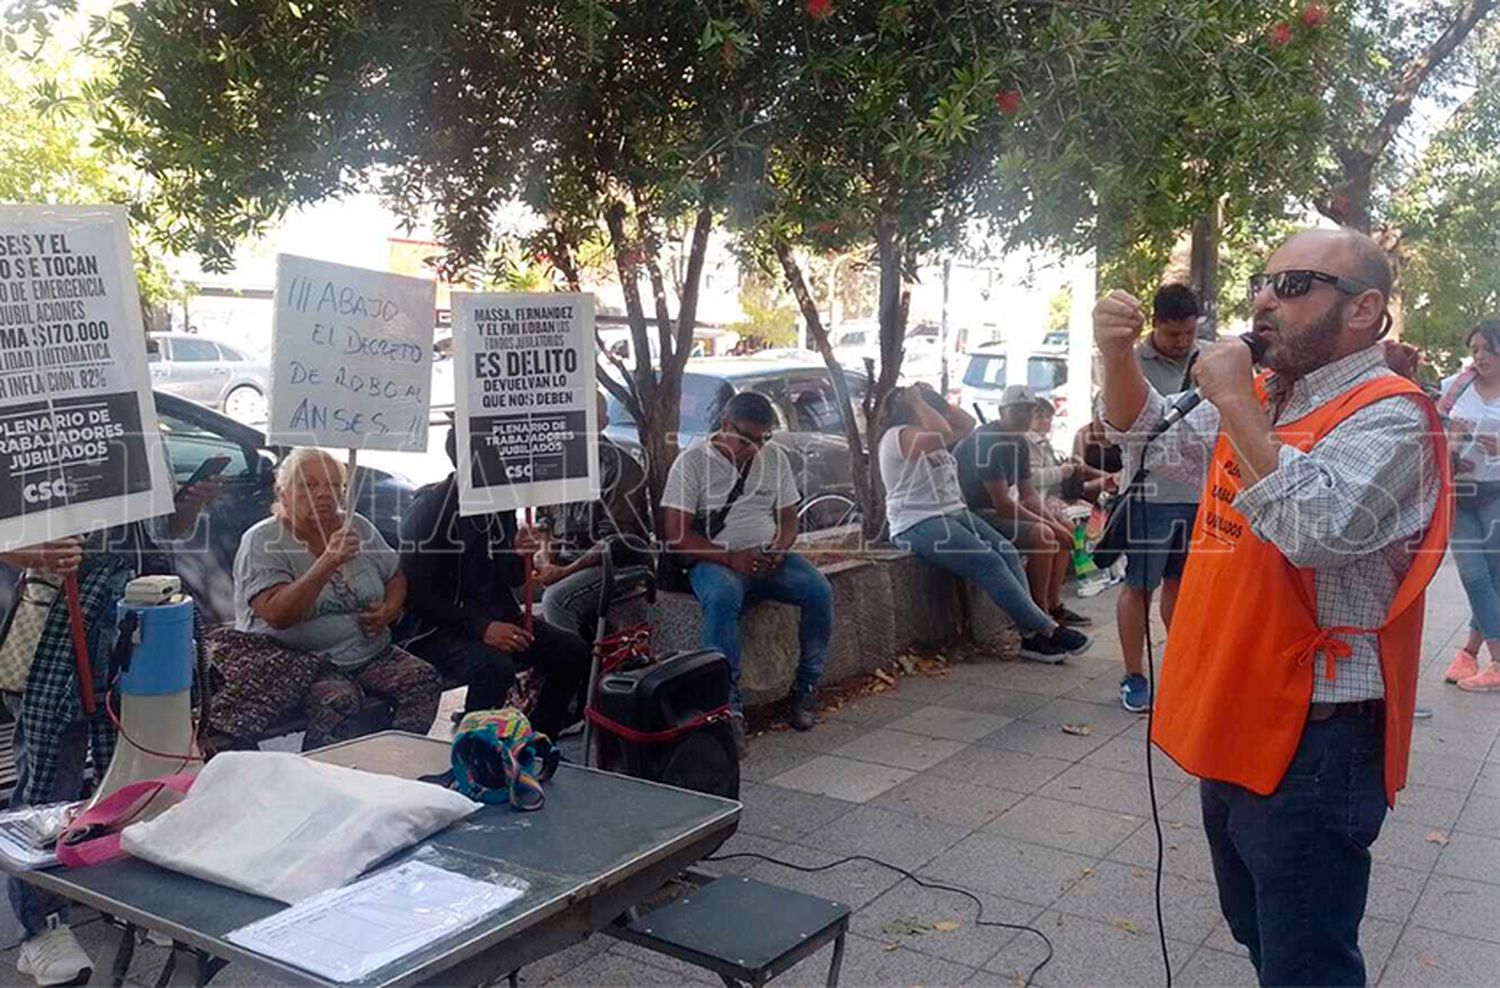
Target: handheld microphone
1194,398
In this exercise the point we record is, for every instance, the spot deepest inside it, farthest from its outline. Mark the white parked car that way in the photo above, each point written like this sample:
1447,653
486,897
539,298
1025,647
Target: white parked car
989,369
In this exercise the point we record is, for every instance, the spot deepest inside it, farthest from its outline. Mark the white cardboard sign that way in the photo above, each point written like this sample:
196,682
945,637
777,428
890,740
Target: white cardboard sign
79,447
351,357
525,400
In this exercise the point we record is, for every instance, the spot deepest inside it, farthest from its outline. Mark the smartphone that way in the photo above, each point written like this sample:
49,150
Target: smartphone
207,470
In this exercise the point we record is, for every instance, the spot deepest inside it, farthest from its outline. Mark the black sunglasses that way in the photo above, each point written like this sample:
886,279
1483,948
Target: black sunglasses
1295,284
755,439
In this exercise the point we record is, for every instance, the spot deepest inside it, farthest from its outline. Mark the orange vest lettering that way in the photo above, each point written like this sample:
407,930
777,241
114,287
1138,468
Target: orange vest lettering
1237,678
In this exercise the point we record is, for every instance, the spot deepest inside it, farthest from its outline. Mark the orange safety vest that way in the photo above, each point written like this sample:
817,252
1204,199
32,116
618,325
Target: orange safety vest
1237,677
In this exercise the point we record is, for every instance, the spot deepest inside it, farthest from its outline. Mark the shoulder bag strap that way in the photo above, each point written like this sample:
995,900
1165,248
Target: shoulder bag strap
718,517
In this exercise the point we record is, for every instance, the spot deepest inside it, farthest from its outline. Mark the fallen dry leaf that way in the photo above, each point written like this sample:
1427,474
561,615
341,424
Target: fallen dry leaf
885,677
1082,730
887,945
1087,872
1427,960
946,925
1438,837
1126,925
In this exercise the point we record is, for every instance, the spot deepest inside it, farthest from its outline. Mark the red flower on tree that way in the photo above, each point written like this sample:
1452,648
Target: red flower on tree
1315,15
820,10
1008,100
1281,34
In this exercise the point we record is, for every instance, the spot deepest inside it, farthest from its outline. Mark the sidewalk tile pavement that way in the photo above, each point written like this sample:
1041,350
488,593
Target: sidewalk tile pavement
970,779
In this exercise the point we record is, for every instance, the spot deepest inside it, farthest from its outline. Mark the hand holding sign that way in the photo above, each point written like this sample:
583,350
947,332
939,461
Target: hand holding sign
343,547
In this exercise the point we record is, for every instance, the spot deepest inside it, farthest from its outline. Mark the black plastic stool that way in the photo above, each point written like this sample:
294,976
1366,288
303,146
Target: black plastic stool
746,932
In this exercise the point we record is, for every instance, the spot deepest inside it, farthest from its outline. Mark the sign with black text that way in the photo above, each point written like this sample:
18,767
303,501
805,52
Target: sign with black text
526,410
351,357
79,447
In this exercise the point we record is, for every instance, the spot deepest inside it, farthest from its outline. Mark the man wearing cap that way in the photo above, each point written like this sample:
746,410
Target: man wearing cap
1161,521
994,473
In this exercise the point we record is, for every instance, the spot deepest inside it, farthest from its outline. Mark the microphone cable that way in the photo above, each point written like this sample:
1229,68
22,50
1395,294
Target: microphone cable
1161,928
979,919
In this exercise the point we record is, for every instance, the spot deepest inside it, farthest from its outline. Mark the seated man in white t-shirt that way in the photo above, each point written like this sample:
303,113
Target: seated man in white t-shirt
730,510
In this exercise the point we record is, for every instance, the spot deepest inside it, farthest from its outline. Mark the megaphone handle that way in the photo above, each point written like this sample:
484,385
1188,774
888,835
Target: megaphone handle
80,645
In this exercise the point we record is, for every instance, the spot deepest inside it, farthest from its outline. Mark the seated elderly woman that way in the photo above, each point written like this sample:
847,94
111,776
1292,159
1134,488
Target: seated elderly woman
329,585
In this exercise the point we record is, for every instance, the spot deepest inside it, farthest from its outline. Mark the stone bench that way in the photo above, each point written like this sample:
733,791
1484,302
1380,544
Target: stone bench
884,606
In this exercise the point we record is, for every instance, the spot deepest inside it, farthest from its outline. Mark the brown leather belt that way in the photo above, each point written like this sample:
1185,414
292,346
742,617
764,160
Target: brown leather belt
1374,709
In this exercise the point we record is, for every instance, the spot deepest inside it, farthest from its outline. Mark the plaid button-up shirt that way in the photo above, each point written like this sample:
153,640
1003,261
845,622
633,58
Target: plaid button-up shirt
1351,508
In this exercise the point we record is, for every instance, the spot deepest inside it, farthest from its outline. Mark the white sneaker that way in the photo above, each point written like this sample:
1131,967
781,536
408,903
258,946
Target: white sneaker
53,957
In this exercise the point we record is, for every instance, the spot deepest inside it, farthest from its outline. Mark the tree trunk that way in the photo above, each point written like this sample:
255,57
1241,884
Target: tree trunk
1392,240
1203,269
865,496
1349,204
892,311
643,376
658,388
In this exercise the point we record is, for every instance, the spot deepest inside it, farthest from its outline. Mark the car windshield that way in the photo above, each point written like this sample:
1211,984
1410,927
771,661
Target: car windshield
702,396
985,371
1046,373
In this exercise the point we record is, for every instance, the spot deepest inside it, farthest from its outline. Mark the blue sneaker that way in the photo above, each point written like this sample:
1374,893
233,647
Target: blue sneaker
1135,693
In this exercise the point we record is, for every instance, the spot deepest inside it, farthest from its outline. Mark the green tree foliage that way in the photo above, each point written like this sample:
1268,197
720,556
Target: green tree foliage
47,155
770,319
1393,55
612,119
915,127
1448,213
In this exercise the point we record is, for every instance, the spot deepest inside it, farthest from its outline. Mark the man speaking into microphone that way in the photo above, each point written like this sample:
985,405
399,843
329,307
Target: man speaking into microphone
1290,672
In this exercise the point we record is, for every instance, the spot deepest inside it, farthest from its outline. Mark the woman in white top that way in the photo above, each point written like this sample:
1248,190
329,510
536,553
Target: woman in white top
926,511
1472,403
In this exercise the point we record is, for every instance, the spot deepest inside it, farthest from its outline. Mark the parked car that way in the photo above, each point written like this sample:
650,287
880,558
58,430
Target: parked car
210,373
810,427
194,433
988,371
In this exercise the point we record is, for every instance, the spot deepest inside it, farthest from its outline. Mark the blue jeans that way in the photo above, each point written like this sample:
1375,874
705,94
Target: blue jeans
1159,536
968,547
725,593
1476,552
1293,868
572,603
32,905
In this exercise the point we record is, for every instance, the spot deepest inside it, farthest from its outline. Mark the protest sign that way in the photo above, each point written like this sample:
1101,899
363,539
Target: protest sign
351,357
526,410
78,439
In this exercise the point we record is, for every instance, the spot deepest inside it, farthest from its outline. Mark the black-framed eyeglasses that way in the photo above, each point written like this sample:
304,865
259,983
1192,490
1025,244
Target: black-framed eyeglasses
1295,284
753,438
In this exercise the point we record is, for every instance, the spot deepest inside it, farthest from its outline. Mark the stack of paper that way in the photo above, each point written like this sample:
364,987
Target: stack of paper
348,933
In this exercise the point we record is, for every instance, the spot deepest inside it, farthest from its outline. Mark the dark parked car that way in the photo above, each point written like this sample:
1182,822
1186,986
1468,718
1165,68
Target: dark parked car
811,427
206,565
210,373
